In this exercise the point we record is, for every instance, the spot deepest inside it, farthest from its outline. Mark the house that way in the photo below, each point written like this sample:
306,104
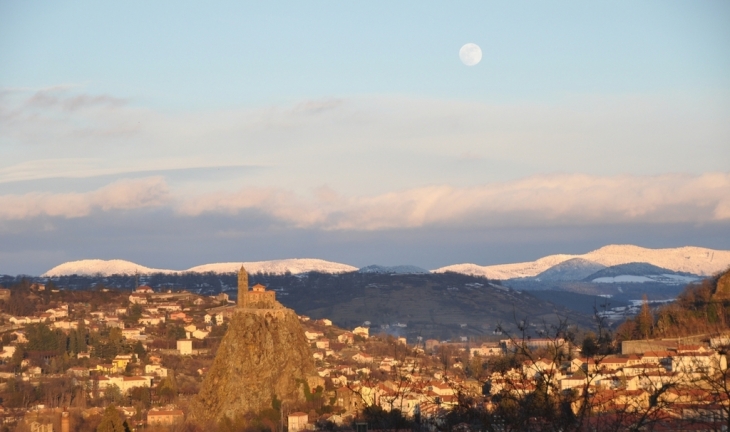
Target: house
154,369
18,320
126,383
20,337
363,358
297,421
322,344
59,312
151,320
178,316
7,351
106,368
324,322
114,322
160,417
144,289
138,298
346,338
121,361
170,307
362,331
185,346
132,332
313,335
208,318
65,325
487,350
200,334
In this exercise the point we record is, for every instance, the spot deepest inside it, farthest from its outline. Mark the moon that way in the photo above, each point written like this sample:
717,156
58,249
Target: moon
470,54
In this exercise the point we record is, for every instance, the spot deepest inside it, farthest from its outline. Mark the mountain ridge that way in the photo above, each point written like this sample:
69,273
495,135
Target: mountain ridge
110,267
687,259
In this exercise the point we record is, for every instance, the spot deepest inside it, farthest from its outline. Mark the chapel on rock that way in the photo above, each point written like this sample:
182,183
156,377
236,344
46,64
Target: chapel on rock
255,298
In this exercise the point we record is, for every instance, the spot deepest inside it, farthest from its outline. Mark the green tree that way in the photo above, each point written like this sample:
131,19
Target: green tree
111,421
139,350
589,348
42,338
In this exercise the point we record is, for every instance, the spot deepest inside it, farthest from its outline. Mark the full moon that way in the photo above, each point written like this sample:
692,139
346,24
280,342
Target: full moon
470,54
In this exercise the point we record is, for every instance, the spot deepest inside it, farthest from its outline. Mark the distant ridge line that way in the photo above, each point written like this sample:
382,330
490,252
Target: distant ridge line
109,267
687,259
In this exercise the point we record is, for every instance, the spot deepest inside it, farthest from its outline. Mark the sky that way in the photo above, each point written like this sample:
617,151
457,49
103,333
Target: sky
178,133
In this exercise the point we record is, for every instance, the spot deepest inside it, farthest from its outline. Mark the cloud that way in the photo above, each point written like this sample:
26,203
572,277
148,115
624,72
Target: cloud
356,142
542,200
537,200
120,195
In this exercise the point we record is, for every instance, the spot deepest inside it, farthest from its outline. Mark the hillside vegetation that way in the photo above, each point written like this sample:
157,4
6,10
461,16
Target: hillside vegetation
702,308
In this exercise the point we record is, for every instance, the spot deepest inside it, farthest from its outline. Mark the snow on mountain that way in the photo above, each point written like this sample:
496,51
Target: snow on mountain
688,259
109,267
93,267
294,266
668,279
640,272
400,269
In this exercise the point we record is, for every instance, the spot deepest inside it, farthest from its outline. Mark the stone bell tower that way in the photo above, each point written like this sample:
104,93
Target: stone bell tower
242,286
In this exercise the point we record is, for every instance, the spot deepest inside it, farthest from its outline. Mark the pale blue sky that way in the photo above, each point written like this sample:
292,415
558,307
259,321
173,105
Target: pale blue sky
192,55
338,130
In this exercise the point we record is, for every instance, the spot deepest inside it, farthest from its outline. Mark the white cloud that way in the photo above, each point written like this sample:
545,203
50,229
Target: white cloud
537,200
544,200
120,195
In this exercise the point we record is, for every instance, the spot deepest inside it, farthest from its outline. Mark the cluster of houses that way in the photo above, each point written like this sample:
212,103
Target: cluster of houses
676,381
196,315
354,371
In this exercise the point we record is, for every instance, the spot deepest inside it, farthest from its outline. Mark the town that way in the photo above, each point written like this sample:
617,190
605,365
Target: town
67,356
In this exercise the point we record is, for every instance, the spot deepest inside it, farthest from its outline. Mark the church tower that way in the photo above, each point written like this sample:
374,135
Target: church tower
242,286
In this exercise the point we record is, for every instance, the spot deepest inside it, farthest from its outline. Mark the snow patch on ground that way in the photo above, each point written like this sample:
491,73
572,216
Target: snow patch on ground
668,279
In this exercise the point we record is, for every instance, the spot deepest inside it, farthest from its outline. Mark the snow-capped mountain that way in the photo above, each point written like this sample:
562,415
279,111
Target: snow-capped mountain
94,267
401,269
293,266
688,259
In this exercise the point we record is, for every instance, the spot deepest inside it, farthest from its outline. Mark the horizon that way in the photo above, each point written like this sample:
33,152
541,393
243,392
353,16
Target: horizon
194,268
174,135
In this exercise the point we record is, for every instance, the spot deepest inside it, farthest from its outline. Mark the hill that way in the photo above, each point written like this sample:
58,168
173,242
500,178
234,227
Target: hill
571,270
694,260
401,269
429,305
584,303
640,273
702,308
92,267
